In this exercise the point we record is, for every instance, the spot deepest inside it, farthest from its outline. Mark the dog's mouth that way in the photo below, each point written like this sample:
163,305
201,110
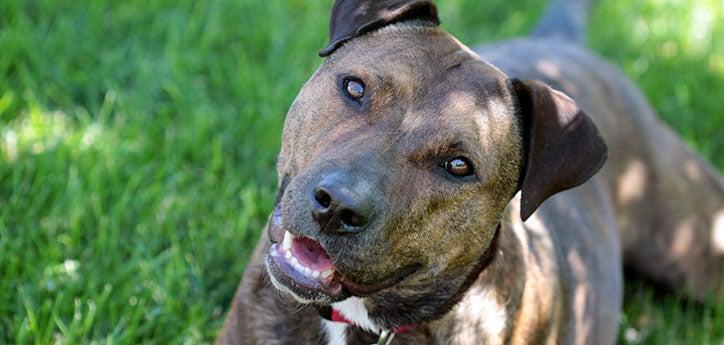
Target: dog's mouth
302,266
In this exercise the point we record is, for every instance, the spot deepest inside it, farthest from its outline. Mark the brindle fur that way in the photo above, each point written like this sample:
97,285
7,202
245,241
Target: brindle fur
554,279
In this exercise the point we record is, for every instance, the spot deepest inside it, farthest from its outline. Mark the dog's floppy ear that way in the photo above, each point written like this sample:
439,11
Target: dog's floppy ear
352,18
562,146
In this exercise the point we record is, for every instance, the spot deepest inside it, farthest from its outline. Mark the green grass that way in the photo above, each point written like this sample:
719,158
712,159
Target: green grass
137,140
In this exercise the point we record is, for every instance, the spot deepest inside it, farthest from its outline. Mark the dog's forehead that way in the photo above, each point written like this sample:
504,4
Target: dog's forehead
435,76
411,54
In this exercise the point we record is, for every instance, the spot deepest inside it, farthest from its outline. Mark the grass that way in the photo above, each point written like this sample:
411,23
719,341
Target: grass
137,140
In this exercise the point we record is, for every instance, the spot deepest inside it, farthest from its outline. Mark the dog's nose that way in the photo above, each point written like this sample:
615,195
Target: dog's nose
341,206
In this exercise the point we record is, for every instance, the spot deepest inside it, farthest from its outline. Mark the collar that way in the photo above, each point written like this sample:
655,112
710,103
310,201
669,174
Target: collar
334,315
385,337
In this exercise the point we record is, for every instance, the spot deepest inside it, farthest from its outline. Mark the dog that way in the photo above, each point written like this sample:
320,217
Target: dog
432,194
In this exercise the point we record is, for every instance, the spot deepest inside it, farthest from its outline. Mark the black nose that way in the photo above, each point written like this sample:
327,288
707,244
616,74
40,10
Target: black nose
341,205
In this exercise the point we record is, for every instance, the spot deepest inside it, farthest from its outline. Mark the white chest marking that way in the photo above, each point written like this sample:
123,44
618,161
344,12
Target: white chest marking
336,332
353,309
481,311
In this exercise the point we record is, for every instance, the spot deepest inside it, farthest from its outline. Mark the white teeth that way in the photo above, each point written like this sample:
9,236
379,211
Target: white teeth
326,273
310,273
287,243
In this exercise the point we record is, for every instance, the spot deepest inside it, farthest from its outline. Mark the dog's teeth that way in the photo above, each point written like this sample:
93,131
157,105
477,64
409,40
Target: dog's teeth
307,271
288,254
315,274
326,273
287,243
294,260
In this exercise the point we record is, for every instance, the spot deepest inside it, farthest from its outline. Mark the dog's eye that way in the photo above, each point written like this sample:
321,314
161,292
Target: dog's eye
459,167
354,89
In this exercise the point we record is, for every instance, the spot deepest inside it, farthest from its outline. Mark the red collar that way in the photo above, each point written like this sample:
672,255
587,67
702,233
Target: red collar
336,316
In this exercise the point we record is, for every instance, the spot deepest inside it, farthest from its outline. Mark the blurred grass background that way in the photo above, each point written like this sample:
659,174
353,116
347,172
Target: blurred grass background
138,138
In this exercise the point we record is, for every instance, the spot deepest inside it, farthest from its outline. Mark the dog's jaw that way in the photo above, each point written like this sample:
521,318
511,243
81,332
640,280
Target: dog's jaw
281,287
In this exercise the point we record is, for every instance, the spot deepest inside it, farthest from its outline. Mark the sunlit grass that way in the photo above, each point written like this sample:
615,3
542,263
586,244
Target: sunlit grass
138,139
673,50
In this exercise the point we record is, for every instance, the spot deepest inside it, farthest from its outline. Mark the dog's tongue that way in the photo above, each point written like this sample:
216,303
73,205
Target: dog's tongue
311,254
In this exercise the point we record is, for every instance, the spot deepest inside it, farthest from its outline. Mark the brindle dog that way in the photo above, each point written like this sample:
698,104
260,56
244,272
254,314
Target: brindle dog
398,202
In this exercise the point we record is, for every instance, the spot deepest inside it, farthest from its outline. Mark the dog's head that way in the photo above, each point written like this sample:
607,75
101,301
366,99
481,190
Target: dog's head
399,156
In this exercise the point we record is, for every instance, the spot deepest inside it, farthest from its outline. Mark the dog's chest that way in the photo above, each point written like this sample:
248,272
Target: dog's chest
479,318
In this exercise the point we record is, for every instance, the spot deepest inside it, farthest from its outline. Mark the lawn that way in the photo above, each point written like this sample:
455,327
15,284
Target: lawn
138,139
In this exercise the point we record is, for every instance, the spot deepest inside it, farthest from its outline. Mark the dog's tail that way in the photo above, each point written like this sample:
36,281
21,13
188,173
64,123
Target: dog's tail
566,20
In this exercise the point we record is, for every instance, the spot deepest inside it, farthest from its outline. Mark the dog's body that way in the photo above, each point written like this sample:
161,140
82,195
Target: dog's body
554,279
